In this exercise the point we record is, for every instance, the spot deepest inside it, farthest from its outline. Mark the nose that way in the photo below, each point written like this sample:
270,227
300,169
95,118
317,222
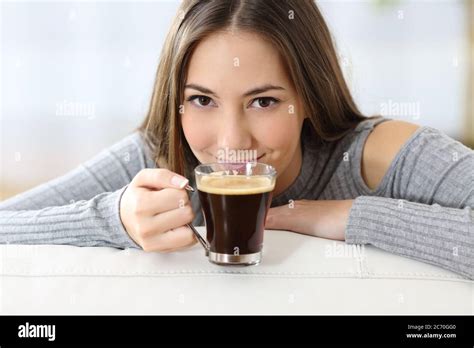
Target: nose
234,133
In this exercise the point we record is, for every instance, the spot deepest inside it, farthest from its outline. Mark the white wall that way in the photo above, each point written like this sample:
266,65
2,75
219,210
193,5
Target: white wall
99,58
407,55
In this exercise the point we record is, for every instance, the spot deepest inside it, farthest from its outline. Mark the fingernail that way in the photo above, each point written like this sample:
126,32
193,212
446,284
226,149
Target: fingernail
179,181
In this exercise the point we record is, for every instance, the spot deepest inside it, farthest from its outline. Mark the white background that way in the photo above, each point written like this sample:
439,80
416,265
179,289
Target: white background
102,56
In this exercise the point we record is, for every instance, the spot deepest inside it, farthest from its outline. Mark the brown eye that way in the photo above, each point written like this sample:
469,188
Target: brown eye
204,101
200,100
264,102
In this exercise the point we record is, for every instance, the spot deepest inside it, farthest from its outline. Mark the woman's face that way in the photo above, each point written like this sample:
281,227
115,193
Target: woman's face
238,97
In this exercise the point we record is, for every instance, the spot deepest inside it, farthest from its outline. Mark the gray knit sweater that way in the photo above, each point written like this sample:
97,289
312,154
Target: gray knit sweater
422,209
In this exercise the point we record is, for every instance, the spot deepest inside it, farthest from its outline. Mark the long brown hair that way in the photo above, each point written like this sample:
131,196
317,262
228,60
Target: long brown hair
299,32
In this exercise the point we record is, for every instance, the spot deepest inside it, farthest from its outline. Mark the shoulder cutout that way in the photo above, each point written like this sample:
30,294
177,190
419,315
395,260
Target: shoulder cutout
382,145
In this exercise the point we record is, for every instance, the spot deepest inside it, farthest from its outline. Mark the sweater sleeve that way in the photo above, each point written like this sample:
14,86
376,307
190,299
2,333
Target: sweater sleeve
80,208
425,209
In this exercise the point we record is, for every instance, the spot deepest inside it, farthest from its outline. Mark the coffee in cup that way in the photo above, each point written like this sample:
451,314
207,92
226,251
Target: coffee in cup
234,204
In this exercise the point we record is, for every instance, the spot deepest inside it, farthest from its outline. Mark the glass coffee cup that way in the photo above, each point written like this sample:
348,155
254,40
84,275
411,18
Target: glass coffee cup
235,198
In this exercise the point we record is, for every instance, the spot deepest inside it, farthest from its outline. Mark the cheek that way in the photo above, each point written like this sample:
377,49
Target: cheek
279,133
198,133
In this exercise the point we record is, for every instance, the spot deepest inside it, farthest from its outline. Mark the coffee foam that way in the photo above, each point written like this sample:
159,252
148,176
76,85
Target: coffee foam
235,184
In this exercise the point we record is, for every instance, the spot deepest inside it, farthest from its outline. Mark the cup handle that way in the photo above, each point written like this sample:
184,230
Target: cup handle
196,233
200,239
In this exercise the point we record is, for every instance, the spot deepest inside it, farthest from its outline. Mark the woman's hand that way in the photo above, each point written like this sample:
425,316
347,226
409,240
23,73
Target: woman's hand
154,210
320,218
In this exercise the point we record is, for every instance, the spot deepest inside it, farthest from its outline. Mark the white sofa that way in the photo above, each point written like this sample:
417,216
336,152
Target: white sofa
299,275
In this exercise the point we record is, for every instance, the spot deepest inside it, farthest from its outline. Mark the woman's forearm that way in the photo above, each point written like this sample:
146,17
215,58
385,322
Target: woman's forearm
94,222
431,233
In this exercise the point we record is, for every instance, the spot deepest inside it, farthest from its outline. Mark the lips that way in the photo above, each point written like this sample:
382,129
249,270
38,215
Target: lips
244,161
250,161
237,165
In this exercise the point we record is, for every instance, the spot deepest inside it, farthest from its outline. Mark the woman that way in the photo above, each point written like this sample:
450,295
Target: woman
261,76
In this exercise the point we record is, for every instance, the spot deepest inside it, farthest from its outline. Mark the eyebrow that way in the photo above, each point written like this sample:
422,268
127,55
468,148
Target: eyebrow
253,91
